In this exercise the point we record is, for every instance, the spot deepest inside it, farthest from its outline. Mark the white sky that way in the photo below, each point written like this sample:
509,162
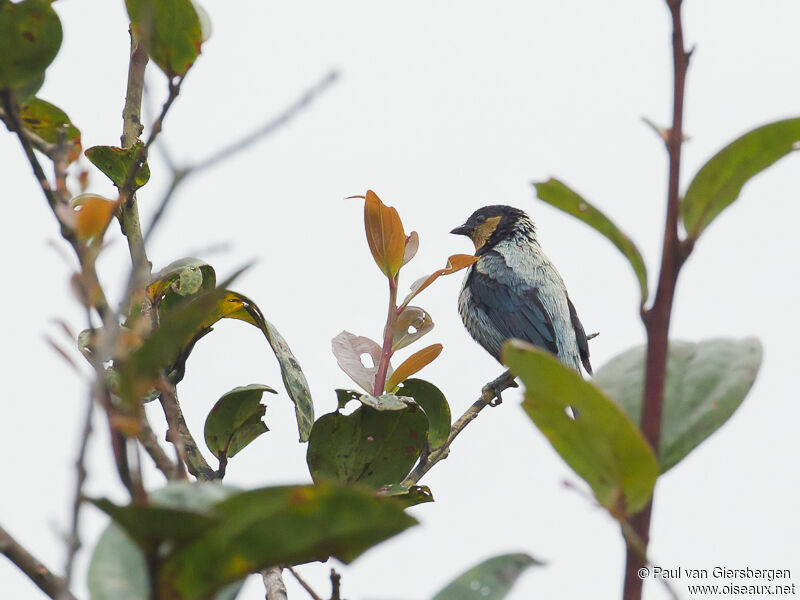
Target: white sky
442,107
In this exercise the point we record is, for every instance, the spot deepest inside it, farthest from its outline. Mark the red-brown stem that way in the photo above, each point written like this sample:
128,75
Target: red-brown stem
657,318
388,337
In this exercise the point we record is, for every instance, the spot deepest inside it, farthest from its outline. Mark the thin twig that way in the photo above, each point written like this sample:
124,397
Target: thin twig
304,585
179,175
336,583
73,537
273,582
489,392
52,585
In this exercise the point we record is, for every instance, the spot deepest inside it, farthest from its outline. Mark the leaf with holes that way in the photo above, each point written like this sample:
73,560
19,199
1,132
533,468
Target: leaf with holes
369,446
557,194
718,183
348,349
601,444
235,420
280,525
414,363
490,580
411,324
454,264
435,405
706,382
30,36
385,235
170,31
116,163
50,122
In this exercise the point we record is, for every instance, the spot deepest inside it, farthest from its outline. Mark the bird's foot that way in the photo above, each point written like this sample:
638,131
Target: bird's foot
494,389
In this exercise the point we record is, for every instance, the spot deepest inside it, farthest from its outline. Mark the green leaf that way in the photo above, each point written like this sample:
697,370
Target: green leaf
170,31
118,569
116,163
433,402
719,182
369,446
281,525
47,121
706,382
557,194
407,495
235,420
601,444
151,525
490,580
30,36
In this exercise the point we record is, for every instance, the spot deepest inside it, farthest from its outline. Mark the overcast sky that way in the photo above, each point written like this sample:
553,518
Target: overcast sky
442,107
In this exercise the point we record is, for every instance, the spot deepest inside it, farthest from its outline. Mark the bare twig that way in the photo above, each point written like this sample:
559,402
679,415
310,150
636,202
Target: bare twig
657,318
52,585
336,583
179,175
304,585
273,582
490,392
73,537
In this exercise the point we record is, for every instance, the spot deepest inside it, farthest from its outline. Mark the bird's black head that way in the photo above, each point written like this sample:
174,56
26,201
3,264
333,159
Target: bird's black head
488,226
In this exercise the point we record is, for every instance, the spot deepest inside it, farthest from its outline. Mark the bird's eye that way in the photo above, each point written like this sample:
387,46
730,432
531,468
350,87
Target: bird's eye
480,219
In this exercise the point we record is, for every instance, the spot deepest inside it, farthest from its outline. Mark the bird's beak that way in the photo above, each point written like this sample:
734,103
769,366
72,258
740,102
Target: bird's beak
462,230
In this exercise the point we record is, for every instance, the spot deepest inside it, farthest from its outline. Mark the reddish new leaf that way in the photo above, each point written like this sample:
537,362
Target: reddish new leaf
412,364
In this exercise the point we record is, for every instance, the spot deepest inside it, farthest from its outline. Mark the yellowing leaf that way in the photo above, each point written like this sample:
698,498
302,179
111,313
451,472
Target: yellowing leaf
385,235
454,263
412,364
93,215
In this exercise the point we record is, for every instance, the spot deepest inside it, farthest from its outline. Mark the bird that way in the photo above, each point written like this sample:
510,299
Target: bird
514,291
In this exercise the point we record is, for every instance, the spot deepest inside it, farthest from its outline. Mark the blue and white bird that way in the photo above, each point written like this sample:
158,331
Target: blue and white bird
514,291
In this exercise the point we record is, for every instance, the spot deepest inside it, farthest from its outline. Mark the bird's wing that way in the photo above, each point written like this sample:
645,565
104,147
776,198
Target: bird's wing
580,337
511,306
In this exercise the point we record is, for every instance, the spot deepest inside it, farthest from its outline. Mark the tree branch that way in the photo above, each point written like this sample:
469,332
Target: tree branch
180,435
273,582
336,583
150,443
131,130
52,585
657,318
490,391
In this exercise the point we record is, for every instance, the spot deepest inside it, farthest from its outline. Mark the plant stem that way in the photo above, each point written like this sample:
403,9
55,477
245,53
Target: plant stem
131,130
388,337
657,318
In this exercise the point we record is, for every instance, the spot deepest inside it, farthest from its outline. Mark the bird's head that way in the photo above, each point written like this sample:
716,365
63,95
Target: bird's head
490,225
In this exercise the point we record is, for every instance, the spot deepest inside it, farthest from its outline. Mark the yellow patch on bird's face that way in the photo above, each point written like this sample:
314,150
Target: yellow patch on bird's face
484,231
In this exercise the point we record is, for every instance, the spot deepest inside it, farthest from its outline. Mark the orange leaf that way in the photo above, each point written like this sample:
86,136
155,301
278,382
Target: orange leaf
385,235
93,215
454,263
412,364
